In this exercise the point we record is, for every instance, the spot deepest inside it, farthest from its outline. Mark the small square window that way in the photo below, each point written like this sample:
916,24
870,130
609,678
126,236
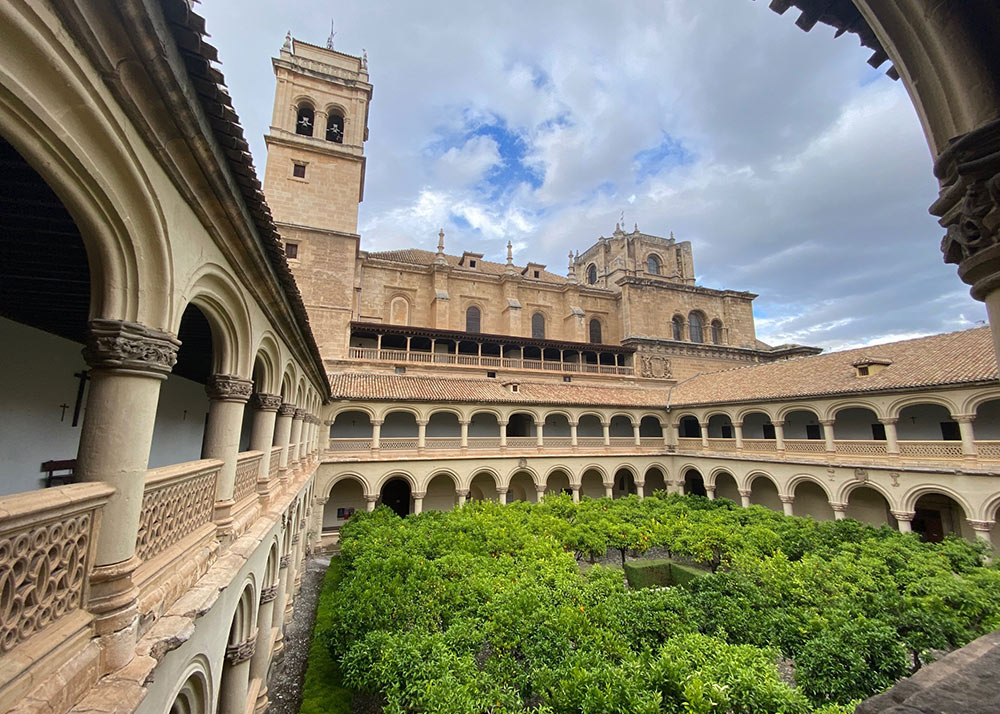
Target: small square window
878,432
768,431
513,387
472,264
863,371
567,378
491,375
537,274
400,370
299,170
812,431
291,251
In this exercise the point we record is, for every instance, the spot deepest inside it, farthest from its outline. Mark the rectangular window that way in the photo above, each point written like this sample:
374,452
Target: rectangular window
299,170
812,431
400,370
536,273
291,250
727,431
472,264
768,431
862,371
878,432
950,431
567,378
491,375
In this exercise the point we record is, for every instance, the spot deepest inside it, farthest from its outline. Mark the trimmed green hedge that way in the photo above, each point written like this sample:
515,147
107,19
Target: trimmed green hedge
322,691
660,573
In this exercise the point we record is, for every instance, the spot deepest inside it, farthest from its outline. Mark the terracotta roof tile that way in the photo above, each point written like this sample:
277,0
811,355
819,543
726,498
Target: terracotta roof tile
416,256
947,359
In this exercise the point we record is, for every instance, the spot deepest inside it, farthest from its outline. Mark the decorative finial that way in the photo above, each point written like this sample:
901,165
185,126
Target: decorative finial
618,227
288,41
364,59
671,235
635,229
441,241
329,40
571,270
510,253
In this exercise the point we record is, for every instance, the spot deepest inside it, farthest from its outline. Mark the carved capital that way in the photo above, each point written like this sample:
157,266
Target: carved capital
982,526
786,498
371,498
903,515
299,414
295,538
228,388
969,206
838,507
418,494
268,594
286,410
889,420
462,492
745,493
241,652
265,402
283,561
117,344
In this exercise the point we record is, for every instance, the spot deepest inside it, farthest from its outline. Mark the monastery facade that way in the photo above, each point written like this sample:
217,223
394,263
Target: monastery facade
205,375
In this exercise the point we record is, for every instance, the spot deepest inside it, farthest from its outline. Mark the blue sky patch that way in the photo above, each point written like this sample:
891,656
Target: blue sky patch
667,154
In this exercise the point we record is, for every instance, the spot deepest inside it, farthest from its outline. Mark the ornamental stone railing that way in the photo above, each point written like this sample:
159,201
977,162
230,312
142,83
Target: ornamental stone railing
177,501
687,443
590,442
988,450
47,541
805,446
484,442
247,470
930,449
443,442
861,447
522,442
274,465
760,445
721,444
343,444
372,354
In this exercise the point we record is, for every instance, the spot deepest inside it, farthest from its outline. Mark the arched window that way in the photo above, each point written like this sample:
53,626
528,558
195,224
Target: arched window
696,327
473,319
304,120
399,311
653,265
595,331
717,332
538,326
592,275
678,327
335,128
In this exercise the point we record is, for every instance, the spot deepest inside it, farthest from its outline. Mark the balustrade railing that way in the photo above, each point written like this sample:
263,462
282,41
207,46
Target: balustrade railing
687,443
805,446
176,502
912,449
386,355
443,442
398,443
861,447
721,444
760,445
651,441
988,450
350,444
484,442
590,442
247,470
274,465
558,442
46,554
622,441
522,442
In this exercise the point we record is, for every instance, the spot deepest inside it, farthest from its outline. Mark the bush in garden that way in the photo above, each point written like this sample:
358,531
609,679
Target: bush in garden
486,608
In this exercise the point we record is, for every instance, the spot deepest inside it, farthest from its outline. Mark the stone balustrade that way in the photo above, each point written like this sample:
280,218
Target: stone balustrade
177,501
274,465
385,355
247,470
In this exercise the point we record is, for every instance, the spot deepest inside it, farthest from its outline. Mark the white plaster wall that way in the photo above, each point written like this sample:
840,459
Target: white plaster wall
869,506
180,422
440,495
987,423
922,422
353,425
855,424
345,494
37,377
795,424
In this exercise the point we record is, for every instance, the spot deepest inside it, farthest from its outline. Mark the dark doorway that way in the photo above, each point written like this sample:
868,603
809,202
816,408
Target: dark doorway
928,524
694,484
396,495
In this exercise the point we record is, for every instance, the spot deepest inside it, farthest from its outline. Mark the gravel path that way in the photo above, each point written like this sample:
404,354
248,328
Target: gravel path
285,691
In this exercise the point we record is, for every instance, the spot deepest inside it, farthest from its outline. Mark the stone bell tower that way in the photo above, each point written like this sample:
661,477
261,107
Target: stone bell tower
315,177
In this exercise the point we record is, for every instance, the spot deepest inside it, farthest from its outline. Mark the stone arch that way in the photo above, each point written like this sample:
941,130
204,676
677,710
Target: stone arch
592,479
474,318
894,408
268,355
482,485
64,135
696,326
655,478
764,490
592,274
795,481
346,476
557,480
193,694
489,470
505,482
441,490
810,497
216,293
595,331
742,414
522,485
694,482
724,482
244,614
539,324
832,410
654,264
305,116
399,310
394,474
972,403
910,498
677,326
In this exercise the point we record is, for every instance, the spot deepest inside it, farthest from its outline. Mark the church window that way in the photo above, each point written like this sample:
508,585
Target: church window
592,275
335,128
595,331
717,332
696,327
653,265
291,251
473,319
304,120
299,170
538,326
678,322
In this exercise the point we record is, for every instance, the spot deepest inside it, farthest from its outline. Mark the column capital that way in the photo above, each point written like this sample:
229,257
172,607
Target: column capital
745,492
502,490
129,346
418,494
703,424
265,402
321,500
420,422
982,526
964,418
283,561
574,423
903,515
838,507
462,492
242,651
371,497
785,498
286,410
888,420
608,484
575,485
737,425
228,388
377,422
299,414
640,484
268,594
827,422
778,422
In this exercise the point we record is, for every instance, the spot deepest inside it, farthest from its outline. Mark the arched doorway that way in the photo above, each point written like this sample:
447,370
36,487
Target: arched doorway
694,484
624,484
726,487
483,487
939,515
396,495
869,506
811,500
764,492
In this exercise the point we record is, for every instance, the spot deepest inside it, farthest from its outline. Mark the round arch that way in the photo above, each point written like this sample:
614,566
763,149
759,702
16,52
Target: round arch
193,694
832,409
213,291
347,476
909,500
795,481
505,482
390,475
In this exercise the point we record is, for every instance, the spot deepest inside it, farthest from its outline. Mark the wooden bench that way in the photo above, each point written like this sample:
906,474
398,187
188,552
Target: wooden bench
58,479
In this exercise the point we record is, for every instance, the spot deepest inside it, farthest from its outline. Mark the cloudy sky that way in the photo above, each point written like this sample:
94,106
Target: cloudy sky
796,171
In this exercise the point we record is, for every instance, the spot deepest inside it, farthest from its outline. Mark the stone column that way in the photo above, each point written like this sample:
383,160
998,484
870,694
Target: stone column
839,510
786,504
283,432
779,435
703,425
261,659
227,394
738,433
418,501
502,495
376,434
236,676
463,495
295,442
127,364
968,434
710,492
982,529
370,499
640,489
904,520
891,444
744,497
503,435
635,434
827,424
464,424
606,427
421,435
609,489
573,441
539,493
281,597
265,413
575,487
671,436
539,434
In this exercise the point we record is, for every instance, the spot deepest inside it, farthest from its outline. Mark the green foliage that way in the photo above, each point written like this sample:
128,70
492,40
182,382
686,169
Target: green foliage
322,691
658,573
485,608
